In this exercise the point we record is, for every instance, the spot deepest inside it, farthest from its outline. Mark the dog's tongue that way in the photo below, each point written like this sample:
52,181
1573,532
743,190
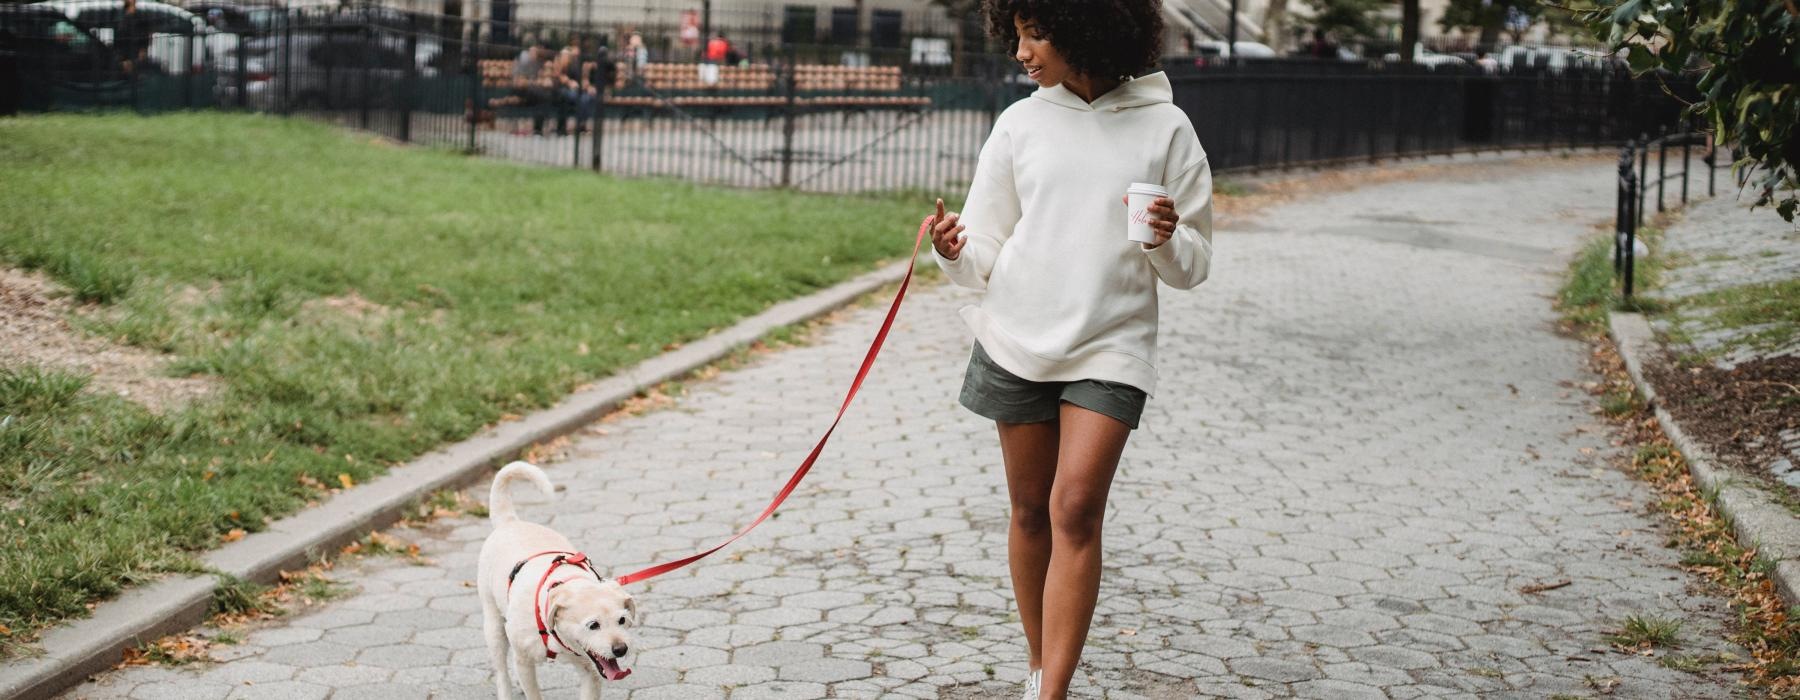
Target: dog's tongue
610,669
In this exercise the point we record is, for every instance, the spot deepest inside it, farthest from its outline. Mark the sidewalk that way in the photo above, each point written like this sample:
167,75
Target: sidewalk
1723,243
1367,440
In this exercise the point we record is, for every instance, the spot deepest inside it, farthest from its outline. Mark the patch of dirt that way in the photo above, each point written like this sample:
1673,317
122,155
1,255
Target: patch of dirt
34,331
1740,413
352,306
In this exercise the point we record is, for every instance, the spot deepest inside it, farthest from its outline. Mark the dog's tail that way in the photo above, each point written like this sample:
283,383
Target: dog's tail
500,504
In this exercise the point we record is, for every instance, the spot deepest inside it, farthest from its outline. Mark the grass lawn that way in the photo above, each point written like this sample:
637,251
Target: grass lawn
357,304
1591,288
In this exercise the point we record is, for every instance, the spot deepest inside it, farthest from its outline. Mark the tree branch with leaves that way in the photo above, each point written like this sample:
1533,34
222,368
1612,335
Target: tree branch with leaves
1748,55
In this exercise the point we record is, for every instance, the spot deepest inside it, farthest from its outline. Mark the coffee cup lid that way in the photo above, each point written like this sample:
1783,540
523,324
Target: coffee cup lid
1146,188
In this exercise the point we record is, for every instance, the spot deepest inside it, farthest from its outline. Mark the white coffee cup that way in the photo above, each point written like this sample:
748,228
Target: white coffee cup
1138,198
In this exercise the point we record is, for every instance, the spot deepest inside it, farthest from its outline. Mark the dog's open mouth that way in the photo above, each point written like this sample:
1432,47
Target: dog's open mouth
609,667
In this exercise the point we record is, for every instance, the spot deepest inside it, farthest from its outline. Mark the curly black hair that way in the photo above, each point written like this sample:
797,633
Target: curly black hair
1099,38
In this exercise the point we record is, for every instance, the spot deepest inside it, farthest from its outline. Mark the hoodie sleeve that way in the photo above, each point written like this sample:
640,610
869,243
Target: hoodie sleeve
1184,260
988,217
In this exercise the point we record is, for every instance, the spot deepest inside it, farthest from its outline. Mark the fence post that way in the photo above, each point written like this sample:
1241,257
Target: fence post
1256,121
1662,166
598,123
187,69
1686,146
1712,165
1621,212
411,83
287,61
474,69
787,126
1631,185
1643,175
368,69
243,80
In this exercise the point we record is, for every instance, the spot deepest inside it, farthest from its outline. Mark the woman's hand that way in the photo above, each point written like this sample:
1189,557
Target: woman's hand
946,233
1163,225
1162,222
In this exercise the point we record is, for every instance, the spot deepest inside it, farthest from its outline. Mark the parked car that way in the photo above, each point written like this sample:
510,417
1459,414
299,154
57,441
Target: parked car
1428,59
171,49
241,18
331,70
1556,59
43,53
1213,50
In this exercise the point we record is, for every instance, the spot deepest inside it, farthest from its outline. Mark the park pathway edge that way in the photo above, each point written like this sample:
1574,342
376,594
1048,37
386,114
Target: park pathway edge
1758,520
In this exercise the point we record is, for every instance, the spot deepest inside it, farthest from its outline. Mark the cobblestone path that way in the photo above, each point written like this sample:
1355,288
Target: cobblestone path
1369,438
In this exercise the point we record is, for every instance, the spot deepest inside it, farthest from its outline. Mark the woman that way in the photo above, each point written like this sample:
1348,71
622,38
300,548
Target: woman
1066,333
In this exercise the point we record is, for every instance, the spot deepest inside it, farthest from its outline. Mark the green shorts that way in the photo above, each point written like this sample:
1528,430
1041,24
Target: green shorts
996,394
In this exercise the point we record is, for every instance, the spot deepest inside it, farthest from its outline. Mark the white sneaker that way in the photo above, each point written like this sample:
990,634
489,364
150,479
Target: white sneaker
1033,683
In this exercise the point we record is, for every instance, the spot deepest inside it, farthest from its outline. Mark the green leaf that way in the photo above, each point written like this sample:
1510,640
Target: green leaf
1628,12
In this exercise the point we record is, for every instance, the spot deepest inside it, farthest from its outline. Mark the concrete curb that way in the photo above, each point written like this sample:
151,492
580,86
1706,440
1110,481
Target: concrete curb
1756,517
75,651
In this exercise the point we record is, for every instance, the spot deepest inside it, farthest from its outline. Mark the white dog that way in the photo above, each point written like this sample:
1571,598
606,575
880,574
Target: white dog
541,599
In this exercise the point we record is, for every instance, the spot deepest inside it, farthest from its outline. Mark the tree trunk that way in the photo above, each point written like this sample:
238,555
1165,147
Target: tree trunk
862,22
1274,24
1409,29
1490,33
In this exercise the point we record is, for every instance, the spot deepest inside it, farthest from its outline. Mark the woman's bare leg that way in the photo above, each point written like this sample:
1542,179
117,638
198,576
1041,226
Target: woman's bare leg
1087,457
1030,453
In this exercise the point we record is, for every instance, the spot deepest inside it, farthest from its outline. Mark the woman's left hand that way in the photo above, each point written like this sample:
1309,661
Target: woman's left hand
1163,225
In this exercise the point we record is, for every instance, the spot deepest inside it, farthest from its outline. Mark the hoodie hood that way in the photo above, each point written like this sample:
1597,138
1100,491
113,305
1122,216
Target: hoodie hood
1138,92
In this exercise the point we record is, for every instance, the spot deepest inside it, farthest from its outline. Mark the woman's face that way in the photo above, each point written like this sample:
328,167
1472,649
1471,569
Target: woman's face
1041,61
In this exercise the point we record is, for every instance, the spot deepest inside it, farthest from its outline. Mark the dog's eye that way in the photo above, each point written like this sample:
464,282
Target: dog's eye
594,625
621,620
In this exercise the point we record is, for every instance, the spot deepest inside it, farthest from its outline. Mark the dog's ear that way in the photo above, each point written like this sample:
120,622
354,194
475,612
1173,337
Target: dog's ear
631,608
553,604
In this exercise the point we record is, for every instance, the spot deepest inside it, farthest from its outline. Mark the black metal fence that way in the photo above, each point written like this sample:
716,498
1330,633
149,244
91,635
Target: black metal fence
807,116
1284,113
1635,182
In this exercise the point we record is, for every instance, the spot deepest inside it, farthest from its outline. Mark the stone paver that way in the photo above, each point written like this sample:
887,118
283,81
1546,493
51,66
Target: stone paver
1366,442
1722,243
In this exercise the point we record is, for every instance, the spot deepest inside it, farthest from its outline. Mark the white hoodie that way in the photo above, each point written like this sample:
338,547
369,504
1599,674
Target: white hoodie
1069,297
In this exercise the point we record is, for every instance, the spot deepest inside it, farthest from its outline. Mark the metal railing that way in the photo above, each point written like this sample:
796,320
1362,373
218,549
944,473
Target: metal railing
1634,184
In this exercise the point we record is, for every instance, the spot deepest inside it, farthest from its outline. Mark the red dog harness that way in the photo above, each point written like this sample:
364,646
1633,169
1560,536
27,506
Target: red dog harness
545,631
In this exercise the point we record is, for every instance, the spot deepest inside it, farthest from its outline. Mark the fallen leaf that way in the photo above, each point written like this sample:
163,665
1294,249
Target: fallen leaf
1128,632
345,480
236,533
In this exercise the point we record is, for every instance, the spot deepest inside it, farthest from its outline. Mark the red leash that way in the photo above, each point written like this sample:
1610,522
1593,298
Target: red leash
805,466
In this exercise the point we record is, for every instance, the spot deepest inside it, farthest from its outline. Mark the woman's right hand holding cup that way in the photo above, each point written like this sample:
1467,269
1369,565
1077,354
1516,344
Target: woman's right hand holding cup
946,233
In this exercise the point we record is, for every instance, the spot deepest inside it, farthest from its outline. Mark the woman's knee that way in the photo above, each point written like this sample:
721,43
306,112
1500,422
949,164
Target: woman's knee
1077,514
1031,518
